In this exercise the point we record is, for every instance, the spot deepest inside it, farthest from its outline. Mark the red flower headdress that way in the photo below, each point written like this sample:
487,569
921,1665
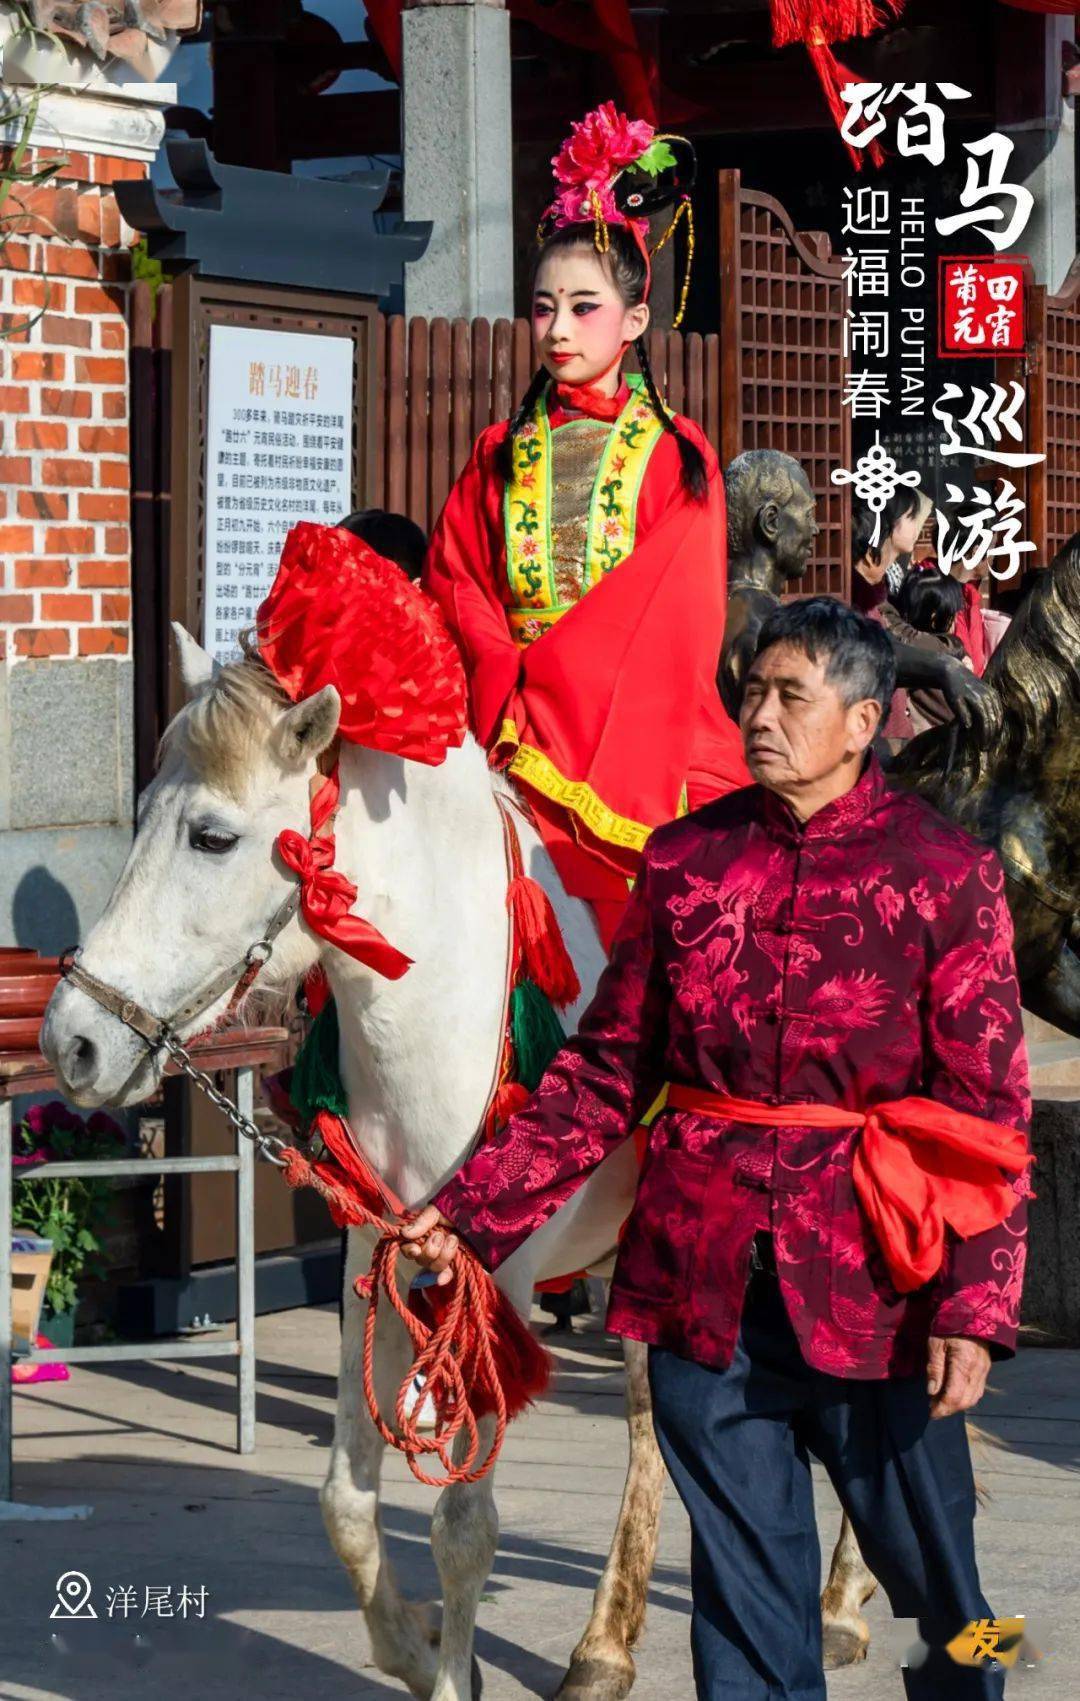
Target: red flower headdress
338,614
617,170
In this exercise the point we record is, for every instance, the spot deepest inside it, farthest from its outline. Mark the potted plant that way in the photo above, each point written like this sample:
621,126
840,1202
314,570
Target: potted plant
69,1211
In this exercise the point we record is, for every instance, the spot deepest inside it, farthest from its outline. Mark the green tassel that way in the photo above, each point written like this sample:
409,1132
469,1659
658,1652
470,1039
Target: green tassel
537,1032
316,1080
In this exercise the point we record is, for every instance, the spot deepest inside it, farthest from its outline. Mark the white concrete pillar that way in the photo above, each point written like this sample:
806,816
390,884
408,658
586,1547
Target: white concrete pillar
457,151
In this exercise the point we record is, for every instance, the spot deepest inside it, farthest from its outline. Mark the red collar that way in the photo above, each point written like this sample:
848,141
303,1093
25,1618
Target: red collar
582,399
835,818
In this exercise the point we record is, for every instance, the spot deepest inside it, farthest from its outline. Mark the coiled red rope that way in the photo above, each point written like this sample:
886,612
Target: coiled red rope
476,1358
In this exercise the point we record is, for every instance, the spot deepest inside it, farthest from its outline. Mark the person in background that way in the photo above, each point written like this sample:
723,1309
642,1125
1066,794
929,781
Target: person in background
901,522
393,536
930,602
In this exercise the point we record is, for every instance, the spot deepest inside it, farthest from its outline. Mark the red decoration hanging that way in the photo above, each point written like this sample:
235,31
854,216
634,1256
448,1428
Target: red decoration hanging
338,614
818,25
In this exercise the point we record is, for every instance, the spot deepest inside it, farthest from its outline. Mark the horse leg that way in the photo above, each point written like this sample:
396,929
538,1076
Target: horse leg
402,1638
601,1666
464,1535
845,1634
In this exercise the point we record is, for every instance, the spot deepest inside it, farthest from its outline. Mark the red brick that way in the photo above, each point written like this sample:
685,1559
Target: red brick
67,607
92,298
38,292
116,266
103,641
43,641
74,168
14,469
40,572
104,439
17,256
89,216
116,608
114,404
13,399
90,369
66,261
110,222
59,540
43,504
114,475
112,334
103,575
40,434
16,608
73,333
108,170
16,327
70,404
117,541
75,474
102,505
19,540
31,365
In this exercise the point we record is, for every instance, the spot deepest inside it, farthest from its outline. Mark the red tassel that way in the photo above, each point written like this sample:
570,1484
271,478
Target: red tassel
522,1365
509,1099
539,945
832,76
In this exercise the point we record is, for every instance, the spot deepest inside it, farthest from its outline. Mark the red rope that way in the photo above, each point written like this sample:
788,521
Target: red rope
465,1357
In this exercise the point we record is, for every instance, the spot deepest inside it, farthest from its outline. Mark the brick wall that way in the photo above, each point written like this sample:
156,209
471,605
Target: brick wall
64,472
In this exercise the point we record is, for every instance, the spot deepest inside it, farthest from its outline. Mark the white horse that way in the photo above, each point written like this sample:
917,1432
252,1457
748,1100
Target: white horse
425,849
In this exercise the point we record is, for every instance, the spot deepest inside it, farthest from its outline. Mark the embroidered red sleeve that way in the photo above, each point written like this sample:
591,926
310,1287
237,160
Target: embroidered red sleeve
976,1061
592,1096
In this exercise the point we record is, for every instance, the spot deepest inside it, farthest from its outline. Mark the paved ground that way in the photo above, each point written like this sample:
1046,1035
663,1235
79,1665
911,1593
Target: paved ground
148,1448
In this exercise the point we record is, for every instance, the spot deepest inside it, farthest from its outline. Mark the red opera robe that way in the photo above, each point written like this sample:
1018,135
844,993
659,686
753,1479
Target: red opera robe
609,718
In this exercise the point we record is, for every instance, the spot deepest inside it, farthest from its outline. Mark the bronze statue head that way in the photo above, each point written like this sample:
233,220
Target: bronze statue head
771,515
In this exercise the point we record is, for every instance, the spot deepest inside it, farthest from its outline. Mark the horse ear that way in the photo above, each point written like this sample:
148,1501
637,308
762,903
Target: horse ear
197,666
304,731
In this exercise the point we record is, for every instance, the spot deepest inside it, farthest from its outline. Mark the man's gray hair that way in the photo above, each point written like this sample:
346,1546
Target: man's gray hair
858,653
753,478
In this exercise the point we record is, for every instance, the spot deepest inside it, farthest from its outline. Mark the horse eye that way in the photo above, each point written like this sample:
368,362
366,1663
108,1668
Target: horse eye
211,840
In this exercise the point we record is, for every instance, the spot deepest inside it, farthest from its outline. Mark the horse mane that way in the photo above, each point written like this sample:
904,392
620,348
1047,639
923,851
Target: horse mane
223,725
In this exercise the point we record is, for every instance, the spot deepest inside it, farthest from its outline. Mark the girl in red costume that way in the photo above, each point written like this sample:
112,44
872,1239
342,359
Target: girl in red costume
581,556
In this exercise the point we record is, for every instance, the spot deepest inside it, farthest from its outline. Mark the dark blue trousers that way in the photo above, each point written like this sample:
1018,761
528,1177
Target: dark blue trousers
737,1443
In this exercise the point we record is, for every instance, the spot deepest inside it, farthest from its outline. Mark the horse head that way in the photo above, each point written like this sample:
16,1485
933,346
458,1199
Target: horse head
202,880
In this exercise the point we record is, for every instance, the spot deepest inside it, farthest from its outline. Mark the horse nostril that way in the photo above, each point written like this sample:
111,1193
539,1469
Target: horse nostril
79,1063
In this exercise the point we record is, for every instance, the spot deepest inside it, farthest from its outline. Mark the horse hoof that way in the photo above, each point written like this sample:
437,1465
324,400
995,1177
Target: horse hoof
842,1646
597,1680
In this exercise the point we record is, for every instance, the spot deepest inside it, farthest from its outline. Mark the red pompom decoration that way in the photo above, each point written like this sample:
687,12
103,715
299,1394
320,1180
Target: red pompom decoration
338,614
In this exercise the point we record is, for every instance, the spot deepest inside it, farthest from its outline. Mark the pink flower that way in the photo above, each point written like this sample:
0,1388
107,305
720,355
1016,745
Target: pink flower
889,904
529,548
599,145
612,528
575,206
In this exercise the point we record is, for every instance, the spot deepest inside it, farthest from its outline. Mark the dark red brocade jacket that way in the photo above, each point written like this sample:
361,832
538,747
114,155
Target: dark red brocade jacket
863,956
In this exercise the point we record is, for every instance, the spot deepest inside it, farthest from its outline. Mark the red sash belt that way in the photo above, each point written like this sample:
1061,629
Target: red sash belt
919,1166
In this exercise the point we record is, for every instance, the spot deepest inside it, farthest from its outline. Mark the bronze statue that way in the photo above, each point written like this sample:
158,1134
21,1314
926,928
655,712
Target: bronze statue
1021,791
771,532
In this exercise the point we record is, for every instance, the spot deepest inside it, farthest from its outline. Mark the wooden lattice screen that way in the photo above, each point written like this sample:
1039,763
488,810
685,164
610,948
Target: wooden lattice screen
782,302
440,382
1052,415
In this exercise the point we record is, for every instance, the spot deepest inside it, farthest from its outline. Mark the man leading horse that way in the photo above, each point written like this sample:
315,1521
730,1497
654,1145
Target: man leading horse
827,1246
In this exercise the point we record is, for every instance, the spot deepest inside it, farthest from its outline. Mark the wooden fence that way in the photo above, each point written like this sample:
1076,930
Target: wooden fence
1051,373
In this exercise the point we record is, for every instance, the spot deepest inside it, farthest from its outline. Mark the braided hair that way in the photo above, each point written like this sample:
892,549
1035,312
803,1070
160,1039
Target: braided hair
626,267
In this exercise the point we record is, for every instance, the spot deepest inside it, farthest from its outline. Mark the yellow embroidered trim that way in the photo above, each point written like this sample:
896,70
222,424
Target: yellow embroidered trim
528,624
527,505
538,771
613,510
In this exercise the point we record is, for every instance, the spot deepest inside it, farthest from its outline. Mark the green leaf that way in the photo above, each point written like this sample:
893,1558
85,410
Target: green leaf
656,158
